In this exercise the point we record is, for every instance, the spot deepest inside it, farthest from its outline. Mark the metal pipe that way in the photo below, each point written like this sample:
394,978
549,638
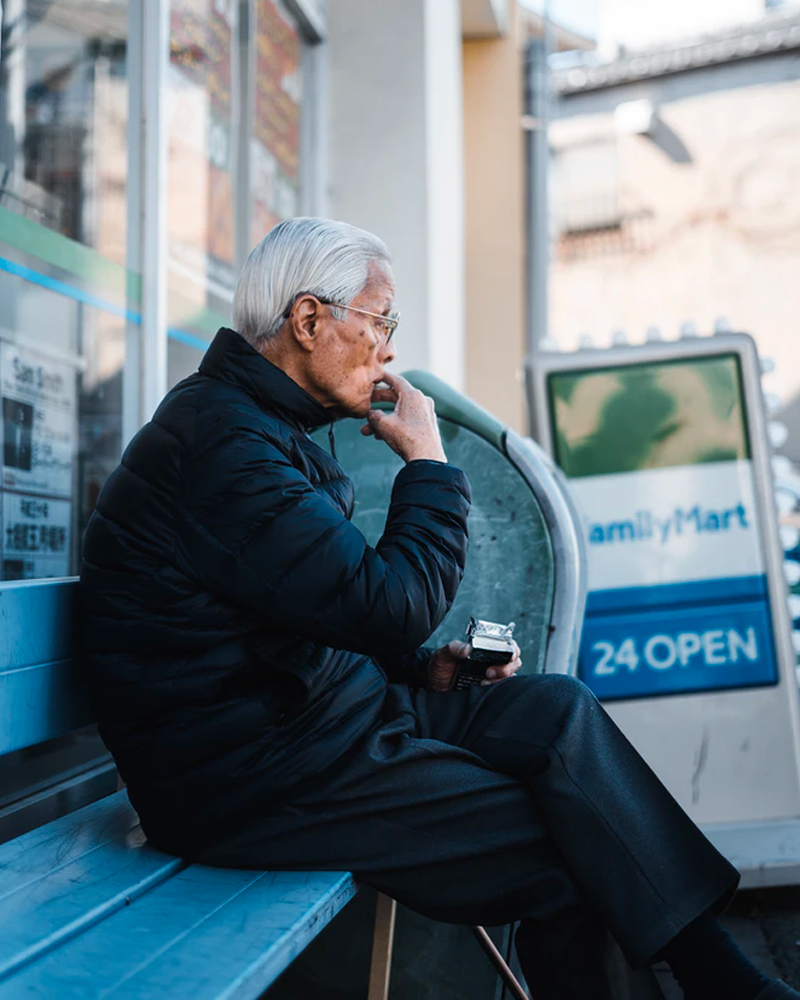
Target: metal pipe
132,375
537,222
155,26
497,960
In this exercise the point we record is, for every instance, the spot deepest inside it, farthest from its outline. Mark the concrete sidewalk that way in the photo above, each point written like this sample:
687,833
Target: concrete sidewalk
765,923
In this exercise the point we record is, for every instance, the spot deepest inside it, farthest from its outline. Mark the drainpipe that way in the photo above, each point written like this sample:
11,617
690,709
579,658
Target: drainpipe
537,220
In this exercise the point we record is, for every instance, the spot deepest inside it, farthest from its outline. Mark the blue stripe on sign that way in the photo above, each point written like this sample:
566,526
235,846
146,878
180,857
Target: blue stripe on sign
88,299
734,588
653,651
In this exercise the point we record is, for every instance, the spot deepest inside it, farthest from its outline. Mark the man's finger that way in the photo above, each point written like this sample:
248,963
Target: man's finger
381,418
459,649
382,395
506,670
397,382
367,431
375,418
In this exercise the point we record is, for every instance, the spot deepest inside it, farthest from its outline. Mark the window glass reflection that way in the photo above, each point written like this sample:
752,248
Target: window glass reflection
63,116
61,427
202,103
234,152
275,149
63,156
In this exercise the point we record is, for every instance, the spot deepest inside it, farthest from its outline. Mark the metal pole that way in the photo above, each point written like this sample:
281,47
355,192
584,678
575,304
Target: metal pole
243,116
510,981
537,207
15,44
155,26
132,377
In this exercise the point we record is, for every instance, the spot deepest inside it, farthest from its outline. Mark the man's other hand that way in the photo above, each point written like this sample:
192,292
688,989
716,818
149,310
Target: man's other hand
446,659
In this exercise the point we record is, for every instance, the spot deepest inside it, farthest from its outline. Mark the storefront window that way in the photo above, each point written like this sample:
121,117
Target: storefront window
275,145
235,116
201,142
61,386
203,106
234,154
63,289
65,312
63,117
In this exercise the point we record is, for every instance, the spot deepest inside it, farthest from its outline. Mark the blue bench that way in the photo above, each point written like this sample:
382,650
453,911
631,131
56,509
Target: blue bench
89,909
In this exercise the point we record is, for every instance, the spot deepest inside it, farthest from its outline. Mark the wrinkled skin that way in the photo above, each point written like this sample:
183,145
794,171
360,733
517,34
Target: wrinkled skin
337,361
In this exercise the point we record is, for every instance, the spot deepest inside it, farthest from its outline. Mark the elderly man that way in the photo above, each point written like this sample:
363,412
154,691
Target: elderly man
259,675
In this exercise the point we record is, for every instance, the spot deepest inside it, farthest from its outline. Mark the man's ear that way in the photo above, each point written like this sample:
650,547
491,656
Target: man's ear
303,319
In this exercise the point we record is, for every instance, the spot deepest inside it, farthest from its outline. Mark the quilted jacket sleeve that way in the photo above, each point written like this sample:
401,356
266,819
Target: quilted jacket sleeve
256,533
408,668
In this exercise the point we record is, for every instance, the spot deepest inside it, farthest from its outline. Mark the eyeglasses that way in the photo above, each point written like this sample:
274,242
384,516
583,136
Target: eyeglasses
387,324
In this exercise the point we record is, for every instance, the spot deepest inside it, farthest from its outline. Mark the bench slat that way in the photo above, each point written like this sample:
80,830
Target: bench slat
63,840
70,874
207,933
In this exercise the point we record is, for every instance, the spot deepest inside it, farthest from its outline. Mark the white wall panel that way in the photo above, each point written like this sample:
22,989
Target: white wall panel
396,159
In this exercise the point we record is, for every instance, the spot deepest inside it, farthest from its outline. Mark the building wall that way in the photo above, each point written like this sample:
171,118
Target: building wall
495,223
396,160
445,190
719,235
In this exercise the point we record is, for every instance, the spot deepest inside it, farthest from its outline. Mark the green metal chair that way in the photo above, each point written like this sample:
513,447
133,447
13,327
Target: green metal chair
526,560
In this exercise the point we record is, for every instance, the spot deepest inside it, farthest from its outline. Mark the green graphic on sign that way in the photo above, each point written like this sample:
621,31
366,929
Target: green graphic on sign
648,416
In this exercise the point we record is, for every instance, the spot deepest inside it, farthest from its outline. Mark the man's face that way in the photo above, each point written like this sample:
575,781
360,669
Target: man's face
351,354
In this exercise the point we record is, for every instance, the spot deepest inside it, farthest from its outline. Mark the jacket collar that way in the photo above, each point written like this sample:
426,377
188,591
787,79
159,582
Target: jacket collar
231,359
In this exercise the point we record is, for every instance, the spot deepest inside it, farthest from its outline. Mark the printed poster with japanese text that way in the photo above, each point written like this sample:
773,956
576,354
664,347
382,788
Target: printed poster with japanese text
39,407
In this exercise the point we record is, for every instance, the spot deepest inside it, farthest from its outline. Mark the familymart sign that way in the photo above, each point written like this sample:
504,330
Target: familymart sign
659,460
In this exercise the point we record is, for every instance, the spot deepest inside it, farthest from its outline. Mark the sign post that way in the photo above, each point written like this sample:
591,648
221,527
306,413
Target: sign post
687,638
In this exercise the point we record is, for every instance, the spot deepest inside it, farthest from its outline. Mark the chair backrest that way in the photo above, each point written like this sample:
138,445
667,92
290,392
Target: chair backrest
526,560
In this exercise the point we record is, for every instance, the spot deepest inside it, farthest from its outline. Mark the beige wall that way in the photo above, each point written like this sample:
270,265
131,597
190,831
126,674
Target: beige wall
717,236
495,247
395,160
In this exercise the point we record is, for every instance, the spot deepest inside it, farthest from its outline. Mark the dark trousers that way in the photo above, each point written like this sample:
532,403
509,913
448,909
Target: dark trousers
520,801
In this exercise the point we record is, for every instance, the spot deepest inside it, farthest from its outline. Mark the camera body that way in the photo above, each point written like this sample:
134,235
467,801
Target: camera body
492,645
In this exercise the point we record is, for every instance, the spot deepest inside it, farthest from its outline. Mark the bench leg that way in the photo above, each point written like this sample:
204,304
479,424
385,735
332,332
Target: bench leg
497,960
382,942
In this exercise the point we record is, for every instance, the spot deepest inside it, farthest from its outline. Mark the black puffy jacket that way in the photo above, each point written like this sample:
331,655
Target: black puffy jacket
224,589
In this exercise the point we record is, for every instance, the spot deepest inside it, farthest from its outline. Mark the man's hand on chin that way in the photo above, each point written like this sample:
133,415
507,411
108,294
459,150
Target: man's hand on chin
446,659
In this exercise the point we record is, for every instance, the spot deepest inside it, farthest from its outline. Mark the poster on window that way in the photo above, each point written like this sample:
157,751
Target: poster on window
39,422
37,534
275,147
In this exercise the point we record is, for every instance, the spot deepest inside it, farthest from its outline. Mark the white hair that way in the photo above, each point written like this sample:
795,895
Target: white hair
326,258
